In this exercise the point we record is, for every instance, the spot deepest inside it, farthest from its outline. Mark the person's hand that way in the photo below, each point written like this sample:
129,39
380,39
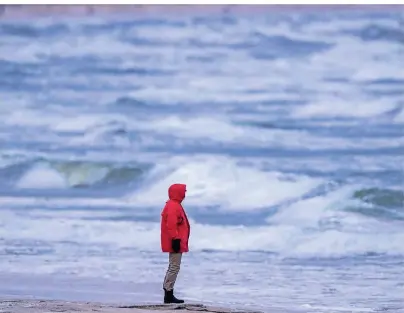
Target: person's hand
176,245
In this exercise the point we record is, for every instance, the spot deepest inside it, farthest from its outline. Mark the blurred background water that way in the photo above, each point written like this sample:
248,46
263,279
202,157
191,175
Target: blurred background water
287,128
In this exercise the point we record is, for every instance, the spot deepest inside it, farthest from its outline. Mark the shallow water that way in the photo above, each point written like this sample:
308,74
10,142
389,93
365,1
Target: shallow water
287,129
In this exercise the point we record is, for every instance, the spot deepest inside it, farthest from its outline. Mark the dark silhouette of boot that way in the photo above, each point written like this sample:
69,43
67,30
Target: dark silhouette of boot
170,298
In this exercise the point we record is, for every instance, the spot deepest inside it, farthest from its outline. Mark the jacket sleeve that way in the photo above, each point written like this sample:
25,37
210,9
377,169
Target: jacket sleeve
172,220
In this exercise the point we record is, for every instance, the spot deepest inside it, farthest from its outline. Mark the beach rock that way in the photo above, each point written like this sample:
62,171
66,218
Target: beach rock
47,306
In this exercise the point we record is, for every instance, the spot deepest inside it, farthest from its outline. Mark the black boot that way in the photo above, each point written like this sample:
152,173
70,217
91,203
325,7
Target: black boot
170,298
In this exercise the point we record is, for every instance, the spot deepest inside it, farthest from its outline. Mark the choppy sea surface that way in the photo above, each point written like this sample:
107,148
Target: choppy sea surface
288,129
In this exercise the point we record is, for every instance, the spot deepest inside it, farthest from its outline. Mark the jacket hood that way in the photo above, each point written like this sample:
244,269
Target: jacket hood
176,192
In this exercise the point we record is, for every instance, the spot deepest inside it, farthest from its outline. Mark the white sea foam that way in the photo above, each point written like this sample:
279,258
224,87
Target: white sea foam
337,107
317,227
41,177
222,182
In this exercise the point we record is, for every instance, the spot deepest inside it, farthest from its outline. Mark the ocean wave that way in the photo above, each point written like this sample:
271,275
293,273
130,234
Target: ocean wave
375,32
315,227
222,93
53,174
214,183
380,203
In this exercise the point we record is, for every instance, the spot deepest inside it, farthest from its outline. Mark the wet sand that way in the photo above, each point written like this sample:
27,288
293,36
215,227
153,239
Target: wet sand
36,306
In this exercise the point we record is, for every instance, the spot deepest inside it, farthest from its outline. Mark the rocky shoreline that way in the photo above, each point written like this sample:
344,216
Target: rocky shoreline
34,11
37,306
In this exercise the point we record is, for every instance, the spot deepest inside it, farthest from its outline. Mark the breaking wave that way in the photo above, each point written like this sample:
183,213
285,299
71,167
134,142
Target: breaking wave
46,174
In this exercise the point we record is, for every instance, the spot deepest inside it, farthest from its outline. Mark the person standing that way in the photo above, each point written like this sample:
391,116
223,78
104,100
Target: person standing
175,231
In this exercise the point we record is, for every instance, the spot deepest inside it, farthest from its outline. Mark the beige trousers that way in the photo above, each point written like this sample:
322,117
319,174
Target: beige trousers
174,264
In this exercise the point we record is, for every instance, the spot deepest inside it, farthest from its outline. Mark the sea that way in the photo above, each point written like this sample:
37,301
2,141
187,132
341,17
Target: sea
287,126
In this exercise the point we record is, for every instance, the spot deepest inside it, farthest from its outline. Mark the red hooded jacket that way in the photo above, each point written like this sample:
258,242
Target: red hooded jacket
174,221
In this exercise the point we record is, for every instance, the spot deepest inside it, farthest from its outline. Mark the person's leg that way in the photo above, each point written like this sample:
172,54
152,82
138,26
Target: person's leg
170,278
